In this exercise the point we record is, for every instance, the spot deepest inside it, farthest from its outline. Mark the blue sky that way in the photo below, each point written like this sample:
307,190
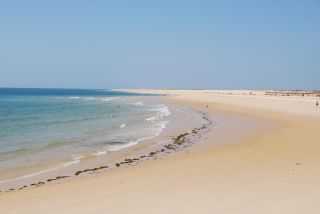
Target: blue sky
160,44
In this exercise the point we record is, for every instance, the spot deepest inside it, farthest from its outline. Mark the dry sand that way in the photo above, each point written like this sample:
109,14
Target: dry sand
262,156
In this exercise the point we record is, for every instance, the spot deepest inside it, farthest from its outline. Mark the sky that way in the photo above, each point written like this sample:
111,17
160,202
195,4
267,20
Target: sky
261,44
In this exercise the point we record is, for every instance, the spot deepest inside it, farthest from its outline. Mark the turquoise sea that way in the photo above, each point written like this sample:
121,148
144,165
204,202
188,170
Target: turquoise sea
51,126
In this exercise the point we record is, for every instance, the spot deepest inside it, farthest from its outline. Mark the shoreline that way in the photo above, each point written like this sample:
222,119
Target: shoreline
260,157
129,156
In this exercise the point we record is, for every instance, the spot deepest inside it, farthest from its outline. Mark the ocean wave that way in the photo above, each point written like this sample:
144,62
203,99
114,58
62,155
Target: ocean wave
147,130
99,99
115,146
162,109
138,104
31,150
89,98
107,99
152,118
159,105
77,157
99,153
156,131
163,125
70,163
58,144
17,151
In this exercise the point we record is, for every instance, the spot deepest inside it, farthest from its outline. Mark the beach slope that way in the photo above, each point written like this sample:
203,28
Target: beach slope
261,156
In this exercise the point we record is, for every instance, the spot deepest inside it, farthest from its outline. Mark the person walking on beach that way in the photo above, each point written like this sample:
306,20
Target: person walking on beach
317,104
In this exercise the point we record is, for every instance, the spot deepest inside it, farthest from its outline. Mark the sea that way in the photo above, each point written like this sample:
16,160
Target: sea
48,129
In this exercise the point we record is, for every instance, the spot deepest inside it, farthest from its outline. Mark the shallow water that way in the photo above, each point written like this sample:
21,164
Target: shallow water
59,127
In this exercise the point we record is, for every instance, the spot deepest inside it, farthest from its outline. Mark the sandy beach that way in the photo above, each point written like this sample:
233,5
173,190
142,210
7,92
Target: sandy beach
260,156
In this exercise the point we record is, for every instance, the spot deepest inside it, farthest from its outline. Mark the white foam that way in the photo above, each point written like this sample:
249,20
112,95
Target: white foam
113,148
123,125
71,163
107,99
163,112
101,99
77,157
152,118
160,105
88,98
138,104
99,153
157,131
163,125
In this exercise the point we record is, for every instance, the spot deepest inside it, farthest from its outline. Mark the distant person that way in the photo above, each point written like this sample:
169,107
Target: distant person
317,104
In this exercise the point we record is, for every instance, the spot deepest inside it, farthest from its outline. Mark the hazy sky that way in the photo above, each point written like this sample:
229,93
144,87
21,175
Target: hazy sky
160,44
